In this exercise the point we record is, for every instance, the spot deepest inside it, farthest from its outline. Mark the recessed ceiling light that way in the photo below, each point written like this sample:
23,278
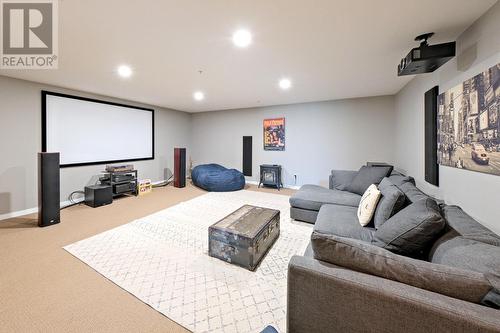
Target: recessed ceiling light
242,38
285,84
199,96
124,71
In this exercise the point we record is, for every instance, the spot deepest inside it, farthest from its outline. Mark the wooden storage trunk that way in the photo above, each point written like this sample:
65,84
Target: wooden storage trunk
244,236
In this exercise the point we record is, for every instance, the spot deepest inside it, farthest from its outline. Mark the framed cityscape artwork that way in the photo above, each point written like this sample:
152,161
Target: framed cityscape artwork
274,134
468,124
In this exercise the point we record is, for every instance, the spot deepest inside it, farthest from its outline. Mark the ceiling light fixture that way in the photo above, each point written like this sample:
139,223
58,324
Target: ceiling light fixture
124,71
242,38
285,84
199,96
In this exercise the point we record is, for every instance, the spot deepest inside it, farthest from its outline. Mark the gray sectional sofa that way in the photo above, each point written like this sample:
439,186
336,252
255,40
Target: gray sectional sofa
440,274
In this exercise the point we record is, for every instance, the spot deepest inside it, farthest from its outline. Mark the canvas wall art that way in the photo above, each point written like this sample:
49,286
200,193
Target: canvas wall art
274,134
468,124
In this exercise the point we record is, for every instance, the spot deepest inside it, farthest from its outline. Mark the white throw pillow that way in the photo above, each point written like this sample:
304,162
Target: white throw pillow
368,204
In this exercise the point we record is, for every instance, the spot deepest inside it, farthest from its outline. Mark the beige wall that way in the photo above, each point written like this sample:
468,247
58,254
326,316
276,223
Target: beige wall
20,140
320,136
478,48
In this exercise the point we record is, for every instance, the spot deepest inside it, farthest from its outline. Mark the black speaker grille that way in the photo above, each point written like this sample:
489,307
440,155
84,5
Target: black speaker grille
48,189
247,155
431,164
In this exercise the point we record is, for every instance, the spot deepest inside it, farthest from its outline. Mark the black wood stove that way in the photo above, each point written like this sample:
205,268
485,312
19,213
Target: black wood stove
270,175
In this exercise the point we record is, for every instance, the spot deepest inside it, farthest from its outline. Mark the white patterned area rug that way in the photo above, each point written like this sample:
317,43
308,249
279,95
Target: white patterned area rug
162,260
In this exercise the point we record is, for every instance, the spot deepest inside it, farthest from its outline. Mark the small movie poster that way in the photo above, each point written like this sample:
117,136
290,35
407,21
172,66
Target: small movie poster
274,134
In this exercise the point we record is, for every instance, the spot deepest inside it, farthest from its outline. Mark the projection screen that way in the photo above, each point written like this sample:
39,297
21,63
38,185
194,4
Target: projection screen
87,131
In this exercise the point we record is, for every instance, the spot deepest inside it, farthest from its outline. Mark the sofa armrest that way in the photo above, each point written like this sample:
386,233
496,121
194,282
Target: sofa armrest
326,298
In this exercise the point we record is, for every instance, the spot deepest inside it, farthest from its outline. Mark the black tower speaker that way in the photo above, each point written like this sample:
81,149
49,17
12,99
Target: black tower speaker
431,164
247,155
179,167
48,189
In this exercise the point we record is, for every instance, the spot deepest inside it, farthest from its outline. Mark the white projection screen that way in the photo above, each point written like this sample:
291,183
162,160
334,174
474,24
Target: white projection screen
86,131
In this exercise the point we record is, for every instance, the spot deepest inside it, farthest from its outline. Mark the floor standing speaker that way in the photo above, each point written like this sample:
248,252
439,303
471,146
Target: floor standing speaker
179,167
247,155
431,164
48,189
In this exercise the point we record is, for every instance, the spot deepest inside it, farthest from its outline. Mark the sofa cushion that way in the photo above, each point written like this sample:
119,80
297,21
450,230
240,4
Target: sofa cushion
460,252
340,179
412,193
367,176
396,173
467,227
312,197
341,221
304,215
368,204
390,203
412,229
363,257
399,179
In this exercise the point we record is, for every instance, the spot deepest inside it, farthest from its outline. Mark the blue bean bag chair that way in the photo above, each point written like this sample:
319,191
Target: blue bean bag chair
216,178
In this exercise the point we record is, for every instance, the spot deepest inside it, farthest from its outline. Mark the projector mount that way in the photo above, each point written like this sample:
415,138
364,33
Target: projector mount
423,38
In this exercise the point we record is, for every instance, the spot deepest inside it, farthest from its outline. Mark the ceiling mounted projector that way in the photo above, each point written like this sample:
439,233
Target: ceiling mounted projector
426,58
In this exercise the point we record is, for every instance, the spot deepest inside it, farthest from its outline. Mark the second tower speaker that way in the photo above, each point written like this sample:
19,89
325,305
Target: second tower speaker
179,167
247,155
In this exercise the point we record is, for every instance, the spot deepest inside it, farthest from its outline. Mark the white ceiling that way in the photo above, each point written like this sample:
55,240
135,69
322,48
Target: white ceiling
331,49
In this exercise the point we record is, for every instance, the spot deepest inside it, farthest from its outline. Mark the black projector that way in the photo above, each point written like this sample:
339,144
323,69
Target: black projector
426,58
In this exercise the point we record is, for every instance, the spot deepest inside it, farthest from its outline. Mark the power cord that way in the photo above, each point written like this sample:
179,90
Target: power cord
164,183
72,200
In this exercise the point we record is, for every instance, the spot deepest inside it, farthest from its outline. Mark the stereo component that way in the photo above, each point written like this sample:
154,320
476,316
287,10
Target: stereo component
124,188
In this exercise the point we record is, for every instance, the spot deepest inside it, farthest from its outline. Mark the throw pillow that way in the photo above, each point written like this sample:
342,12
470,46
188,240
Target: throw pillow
363,257
368,204
391,202
412,230
367,176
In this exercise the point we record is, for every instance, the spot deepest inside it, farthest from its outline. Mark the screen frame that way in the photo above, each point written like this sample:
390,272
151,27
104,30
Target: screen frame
46,93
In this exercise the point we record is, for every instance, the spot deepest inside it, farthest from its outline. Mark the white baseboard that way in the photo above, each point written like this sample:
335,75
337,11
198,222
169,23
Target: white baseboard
18,213
33,210
293,187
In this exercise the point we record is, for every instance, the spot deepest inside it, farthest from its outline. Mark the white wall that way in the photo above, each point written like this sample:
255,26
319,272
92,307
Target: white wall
478,194
20,140
320,136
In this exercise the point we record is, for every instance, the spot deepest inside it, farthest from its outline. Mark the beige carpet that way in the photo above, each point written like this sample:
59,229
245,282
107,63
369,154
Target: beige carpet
45,289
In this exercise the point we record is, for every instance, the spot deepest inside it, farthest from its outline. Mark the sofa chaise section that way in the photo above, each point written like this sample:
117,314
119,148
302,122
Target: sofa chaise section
345,189
306,203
